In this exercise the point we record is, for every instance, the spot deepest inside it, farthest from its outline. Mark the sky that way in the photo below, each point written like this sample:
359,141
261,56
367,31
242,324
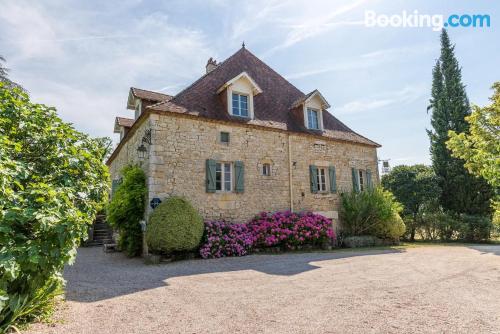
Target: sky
83,56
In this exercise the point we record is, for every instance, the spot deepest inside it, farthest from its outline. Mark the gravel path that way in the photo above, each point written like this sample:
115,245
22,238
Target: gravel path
418,290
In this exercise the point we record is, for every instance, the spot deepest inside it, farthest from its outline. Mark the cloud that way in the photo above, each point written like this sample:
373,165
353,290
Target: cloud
84,66
401,97
367,60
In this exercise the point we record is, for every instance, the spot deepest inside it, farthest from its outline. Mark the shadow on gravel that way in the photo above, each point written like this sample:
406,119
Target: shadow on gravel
486,249
97,275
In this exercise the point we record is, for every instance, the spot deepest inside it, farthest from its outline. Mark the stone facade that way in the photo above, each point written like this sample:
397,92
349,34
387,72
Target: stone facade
181,144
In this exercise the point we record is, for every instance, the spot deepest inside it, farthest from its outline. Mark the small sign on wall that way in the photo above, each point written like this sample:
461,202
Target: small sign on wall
154,202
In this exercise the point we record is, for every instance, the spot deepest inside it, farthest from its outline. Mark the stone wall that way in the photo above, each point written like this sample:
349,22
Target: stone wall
181,146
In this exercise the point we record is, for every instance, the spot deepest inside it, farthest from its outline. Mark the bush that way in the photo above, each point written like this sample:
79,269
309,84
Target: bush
371,212
174,226
126,209
51,181
288,229
222,239
474,228
392,229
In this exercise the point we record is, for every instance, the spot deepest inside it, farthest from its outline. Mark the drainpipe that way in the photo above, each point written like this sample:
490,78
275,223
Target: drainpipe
290,171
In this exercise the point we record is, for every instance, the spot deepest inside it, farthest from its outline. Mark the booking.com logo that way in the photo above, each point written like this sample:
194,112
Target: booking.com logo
416,20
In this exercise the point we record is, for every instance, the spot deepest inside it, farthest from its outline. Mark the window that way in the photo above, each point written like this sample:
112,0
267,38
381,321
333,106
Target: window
266,169
223,176
361,180
321,179
224,137
240,105
312,118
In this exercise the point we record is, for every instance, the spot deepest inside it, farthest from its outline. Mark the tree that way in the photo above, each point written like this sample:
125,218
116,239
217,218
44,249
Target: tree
480,146
415,187
4,76
462,192
52,179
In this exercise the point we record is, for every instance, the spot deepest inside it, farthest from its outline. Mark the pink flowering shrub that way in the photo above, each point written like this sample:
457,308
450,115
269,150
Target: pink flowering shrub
225,239
288,229
279,229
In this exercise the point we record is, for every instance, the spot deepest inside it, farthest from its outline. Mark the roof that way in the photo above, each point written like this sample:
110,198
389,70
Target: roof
147,95
271,107
307,97
123,122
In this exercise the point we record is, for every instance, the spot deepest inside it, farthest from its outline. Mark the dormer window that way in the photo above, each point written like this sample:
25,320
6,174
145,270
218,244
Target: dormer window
240,105
237,95
313,119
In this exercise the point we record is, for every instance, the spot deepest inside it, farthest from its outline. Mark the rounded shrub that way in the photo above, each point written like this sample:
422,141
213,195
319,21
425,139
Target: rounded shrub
174,226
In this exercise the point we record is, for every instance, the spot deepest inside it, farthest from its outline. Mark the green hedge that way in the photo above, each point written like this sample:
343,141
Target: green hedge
174,226
126,209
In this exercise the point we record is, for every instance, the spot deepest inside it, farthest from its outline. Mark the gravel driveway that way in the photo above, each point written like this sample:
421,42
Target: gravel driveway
418,290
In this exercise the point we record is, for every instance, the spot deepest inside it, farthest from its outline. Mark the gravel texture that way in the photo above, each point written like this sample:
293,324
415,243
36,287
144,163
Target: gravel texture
436,289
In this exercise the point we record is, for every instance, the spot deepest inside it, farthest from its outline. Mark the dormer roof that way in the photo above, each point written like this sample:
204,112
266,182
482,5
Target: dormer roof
147,95
308,97
243,75
122,122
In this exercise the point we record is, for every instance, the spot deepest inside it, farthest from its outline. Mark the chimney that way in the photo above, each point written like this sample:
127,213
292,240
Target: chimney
211,65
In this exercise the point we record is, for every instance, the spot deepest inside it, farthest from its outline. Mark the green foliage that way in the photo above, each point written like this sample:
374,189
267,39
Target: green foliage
126,209
461,191
51,180
474,228
480,147
416,187
174,226
439,225
371,212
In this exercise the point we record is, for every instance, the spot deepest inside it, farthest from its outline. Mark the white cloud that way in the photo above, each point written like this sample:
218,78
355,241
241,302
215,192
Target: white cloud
401,98
367,60
85,66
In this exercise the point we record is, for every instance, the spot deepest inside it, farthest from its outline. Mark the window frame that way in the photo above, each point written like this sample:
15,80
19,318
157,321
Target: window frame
240,94
228,137
322,186
318,120
264,167
361,179
223,181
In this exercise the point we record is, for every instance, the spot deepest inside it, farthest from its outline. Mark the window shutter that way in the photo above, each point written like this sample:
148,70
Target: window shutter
355,183
210,170
369,179
114,186
314,178
239,178
333,179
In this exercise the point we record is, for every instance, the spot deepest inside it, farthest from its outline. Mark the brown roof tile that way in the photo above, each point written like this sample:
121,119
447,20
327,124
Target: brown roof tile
126,122
150,95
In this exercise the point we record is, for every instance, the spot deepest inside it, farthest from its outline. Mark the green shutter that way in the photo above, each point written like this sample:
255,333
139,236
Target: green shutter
355,183
369,183
114,186
333,179
210,170
313,171
239,178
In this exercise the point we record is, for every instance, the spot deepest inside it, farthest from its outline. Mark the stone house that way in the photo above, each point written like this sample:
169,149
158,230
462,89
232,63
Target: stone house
241,139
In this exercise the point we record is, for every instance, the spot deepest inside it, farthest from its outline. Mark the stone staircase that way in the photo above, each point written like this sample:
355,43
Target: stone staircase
100,233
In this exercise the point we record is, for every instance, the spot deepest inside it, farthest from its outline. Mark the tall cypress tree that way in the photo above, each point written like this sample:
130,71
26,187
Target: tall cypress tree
461,191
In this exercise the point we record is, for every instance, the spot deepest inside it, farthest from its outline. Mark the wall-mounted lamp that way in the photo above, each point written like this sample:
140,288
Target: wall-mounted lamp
141,152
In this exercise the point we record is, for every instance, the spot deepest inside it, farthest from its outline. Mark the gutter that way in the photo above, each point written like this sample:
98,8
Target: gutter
290,171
